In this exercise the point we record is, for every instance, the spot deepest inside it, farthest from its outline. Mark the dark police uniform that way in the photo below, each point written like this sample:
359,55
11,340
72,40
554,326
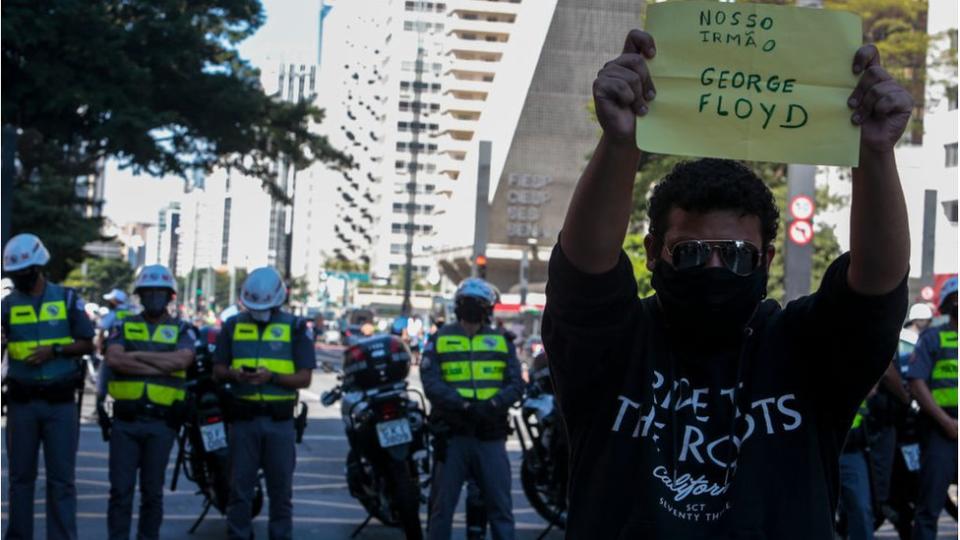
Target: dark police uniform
145,411
458,369
261,430
934,360
41,407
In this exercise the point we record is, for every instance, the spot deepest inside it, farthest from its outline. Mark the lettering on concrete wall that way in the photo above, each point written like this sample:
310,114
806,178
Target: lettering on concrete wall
527,194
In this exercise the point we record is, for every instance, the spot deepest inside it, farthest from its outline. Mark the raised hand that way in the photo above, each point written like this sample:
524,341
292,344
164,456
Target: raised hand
881,107
623,87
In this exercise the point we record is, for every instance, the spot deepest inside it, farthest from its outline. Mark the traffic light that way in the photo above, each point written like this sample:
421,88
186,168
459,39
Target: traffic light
481,261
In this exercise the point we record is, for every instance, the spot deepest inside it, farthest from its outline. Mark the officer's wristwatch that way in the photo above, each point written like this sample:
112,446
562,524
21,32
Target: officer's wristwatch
57,349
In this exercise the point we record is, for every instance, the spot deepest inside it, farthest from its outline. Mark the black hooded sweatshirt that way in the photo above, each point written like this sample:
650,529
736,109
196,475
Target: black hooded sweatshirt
658,450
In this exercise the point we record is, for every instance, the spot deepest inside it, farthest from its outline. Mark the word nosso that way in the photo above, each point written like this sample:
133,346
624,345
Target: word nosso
732,35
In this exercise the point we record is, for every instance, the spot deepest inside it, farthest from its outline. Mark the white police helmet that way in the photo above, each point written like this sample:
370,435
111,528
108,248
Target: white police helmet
116,295
155,276
263,289
920,311
23,251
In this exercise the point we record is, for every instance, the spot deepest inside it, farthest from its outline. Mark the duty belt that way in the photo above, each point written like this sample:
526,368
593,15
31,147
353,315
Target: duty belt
246,410
56,392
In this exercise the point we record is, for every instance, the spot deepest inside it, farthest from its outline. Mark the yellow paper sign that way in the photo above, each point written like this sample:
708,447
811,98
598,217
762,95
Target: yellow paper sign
753,82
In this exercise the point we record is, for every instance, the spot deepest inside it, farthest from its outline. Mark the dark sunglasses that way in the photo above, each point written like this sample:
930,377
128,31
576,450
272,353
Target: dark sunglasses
739,256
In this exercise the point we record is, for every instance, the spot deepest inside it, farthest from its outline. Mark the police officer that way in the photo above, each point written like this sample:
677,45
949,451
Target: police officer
148,355
471,376
118,311
266,355
856,501
45,331
932,373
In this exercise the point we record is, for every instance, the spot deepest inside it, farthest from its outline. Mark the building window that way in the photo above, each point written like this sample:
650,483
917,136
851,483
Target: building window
951,151
952,98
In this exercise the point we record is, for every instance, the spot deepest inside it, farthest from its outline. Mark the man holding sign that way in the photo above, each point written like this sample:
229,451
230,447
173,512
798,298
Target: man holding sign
699,412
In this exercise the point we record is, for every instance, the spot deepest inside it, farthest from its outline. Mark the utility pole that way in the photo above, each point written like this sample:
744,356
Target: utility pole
406,307
798,256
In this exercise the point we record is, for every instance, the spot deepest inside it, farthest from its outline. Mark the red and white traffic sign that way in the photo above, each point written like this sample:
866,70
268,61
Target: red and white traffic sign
927,293
801,232
801,207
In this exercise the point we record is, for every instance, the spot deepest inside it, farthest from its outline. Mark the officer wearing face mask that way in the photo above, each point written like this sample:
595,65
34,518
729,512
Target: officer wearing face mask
148,355
932,372
471,376
265,355
45,332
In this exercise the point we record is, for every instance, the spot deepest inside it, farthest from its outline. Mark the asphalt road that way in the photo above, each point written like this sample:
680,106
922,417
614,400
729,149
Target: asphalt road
323,507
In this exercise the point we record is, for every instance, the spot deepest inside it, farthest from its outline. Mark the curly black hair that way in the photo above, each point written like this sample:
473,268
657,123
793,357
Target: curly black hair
714,184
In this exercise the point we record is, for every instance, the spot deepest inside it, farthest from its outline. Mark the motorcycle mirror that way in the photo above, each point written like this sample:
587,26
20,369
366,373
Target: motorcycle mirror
329,397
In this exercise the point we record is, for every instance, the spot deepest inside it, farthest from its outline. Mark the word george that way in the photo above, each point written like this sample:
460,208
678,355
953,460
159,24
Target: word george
739,79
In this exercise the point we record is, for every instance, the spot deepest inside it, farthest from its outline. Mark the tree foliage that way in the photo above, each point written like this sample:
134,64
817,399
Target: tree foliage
899,30
98,276
157,85
50,207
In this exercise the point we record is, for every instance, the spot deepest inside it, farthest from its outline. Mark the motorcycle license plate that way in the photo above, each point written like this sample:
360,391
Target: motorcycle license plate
394,432
911,456
214,437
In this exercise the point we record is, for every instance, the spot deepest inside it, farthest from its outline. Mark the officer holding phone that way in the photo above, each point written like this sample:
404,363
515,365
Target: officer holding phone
265,355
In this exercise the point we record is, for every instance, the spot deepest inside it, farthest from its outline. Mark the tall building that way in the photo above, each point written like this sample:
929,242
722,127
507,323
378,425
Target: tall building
413,92
543,57
296,83
168,237
340,207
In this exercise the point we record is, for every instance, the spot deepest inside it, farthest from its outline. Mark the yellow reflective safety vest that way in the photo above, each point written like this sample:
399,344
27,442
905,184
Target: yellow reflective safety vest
943,378
267,345
139,335
858,418
474,366
31,328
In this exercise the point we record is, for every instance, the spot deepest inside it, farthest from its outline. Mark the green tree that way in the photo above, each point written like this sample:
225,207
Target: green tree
222,286
97,276
899,30
50,208
158,86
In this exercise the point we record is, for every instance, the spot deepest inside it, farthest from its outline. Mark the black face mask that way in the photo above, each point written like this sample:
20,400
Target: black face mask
24,281
712,302
470,311
154,302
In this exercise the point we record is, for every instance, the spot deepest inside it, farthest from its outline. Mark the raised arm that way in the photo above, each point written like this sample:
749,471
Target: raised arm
879,232
599,211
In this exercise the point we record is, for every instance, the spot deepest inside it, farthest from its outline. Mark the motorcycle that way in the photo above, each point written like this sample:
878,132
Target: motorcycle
386,429
543,441
202,440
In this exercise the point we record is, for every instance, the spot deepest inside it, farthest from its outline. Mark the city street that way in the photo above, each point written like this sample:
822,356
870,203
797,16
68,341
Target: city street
323,507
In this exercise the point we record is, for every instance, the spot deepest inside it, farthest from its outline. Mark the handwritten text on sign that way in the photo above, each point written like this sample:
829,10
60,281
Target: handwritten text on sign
749,81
